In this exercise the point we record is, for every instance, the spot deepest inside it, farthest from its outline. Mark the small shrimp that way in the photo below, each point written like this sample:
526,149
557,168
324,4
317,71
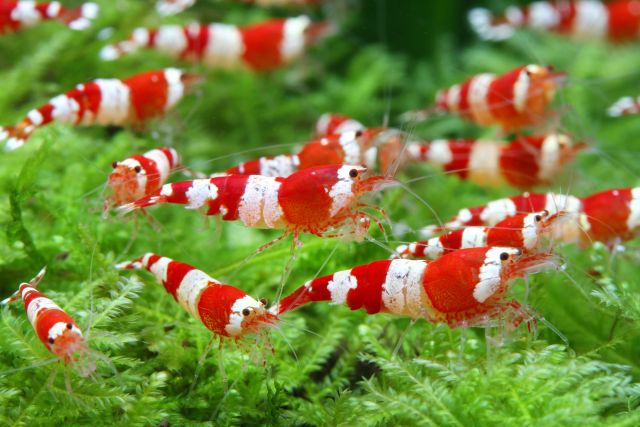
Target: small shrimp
141,174
225,310
513,100
173,7
463,288
332,123
261,47
316,200
522,231
106,102
16,15
616,20
55,328
625,106
523,162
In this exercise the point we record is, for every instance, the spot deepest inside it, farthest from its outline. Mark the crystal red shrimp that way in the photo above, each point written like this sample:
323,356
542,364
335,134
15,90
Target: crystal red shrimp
106,102
608,216
261,47
223,309
624,106
141,174
16,15
55,328
513,100
172,7
522,231
378,149
616,20
315,200
333,123
462,288
523,162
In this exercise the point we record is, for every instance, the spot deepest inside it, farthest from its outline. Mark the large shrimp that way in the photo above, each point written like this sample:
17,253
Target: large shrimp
106,102
16,15
616,20
463,288
261,47
513,100
318,200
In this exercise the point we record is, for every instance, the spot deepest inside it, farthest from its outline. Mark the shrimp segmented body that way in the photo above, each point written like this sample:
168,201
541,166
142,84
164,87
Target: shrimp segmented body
315,200
462,288
261,47
625,106
223,309
55,328
521,231
615,20
332,123
513,100
106,102
16,15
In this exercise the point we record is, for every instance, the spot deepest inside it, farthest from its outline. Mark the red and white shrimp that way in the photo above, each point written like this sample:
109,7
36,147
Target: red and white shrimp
106,102
625,106
261,47
16,15
609,216
523,162
513,100
378,149
315,200
173,7
522,231
332,123
223,309
462,288
55,328
616,20
141,174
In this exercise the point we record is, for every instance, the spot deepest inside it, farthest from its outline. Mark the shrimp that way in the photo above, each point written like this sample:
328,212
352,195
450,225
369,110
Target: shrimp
316,200
462,288
16,15
625,106
225,310
378,149
616,20
173,7
55,328
139,175
261,47
524,162
522,231
513,100
106,102
332,123
609,216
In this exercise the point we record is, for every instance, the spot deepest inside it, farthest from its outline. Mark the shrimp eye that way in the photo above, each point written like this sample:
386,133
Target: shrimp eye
359,133
246,312
550,68
114,165
538,218
504,256
138,169
69,326
51,340
263,301
529,73
353,173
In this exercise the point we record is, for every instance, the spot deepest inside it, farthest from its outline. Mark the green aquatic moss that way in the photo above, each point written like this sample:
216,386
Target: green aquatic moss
322,365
